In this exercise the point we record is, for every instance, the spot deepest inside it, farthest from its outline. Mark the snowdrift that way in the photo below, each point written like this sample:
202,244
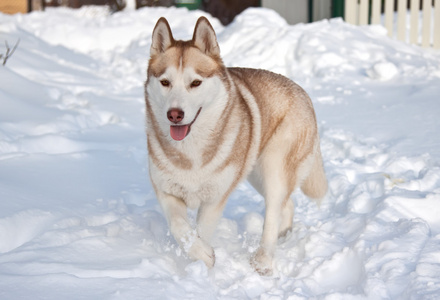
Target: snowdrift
79,218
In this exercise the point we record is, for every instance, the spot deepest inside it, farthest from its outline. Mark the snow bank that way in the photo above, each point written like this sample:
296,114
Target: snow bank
79,218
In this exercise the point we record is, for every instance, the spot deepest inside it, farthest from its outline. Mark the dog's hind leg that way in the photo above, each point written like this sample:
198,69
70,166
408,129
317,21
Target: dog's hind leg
176,213
270,180
262,260
286,217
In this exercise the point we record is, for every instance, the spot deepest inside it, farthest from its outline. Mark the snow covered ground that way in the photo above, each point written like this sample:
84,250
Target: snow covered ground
79,218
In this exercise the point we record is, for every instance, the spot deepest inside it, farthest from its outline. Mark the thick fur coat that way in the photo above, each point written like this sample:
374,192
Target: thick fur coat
210,127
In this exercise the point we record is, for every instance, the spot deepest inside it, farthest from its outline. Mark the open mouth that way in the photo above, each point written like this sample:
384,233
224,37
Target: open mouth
179,132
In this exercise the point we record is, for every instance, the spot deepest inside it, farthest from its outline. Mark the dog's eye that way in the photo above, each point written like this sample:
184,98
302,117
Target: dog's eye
165,82
196,83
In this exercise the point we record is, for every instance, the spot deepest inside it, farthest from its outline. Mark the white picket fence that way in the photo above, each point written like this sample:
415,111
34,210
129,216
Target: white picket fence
357,12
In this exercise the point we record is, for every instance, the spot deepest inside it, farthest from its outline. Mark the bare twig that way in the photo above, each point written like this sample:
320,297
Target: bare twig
9,52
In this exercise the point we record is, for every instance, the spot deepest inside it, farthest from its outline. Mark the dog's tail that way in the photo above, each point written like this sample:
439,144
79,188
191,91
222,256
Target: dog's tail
315,185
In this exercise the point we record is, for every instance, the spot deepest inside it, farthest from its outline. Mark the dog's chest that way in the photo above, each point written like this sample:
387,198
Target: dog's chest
196,186
193,195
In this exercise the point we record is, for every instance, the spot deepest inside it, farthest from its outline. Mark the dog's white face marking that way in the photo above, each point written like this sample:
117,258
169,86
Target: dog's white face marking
188,91
184,78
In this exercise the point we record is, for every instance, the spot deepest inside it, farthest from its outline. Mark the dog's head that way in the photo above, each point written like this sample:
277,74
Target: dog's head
184,78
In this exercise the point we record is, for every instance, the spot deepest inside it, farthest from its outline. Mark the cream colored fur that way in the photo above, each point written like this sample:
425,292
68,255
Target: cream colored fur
244,123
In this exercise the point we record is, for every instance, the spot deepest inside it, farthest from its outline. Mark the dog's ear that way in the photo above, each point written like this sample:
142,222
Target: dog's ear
204,37
162,37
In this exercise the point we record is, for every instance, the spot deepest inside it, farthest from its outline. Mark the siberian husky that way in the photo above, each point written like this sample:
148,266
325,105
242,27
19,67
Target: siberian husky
210,127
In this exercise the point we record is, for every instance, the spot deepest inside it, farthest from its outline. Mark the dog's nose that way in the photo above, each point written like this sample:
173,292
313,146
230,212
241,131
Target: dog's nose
175,115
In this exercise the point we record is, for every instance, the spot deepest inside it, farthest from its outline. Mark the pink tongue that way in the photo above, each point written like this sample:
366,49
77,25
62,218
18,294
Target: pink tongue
179,132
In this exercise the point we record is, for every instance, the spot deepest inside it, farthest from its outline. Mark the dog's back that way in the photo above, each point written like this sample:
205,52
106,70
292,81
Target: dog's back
281,100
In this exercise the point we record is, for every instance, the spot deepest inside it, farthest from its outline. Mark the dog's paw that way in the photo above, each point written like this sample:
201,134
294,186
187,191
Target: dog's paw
262,262
201,250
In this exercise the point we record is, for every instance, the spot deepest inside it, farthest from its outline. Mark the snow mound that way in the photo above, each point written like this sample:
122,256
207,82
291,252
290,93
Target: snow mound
79,218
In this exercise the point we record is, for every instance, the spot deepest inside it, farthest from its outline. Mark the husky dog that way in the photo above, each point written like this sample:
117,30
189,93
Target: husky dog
210,127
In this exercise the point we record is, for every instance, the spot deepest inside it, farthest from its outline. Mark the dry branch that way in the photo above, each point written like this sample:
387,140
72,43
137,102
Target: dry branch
9,52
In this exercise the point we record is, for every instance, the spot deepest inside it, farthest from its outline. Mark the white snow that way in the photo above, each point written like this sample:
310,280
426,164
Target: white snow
79,218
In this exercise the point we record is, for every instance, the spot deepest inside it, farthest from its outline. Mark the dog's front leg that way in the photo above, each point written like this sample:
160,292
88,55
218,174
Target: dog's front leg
189,240
208,217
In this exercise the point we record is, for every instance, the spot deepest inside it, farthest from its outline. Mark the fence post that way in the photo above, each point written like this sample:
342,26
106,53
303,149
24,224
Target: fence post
414,27
389,16
437,24
351,11
363,12
376,11
426,27
401,19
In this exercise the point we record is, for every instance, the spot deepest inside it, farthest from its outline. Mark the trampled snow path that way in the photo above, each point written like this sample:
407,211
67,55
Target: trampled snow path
79,219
